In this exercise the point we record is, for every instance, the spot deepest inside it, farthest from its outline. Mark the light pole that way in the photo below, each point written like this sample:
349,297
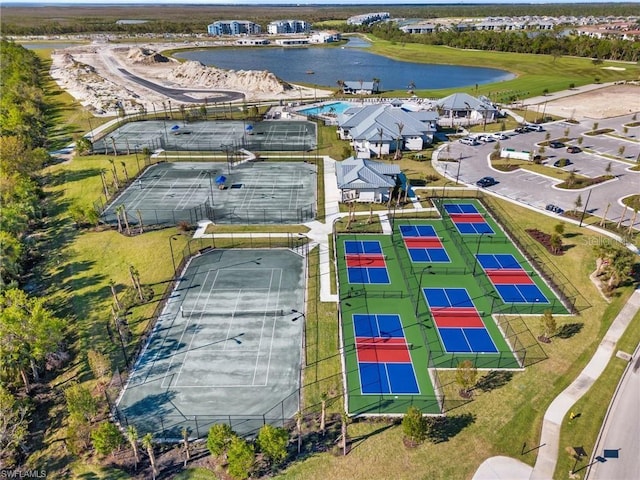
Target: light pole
459,163
475,259
173,260
424,270
209,173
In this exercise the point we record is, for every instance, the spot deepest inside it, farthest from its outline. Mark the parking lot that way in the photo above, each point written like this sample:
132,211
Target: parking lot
537,190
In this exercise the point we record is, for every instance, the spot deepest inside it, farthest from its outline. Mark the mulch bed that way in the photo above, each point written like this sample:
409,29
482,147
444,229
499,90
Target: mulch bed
544,239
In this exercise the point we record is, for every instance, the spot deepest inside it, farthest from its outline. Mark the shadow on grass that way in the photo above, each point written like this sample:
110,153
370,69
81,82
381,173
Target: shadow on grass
68,176
494,379
357,441
568,330
441,429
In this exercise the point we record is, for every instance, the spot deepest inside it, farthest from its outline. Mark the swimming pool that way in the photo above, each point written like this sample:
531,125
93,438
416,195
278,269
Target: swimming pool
334,108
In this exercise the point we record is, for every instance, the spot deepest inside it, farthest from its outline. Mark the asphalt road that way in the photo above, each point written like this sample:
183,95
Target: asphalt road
621,432
182,95
538,190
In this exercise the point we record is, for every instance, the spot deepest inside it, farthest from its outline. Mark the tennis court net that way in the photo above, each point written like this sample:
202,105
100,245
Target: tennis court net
384,346
279,312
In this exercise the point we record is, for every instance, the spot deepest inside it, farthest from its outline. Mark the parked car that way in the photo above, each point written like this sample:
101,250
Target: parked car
499,136
469,141
556,144
532,127
573,149
562,162
486,138
521,130
554,208
486,182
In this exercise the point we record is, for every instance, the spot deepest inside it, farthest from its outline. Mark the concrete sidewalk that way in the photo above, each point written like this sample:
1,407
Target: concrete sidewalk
503,468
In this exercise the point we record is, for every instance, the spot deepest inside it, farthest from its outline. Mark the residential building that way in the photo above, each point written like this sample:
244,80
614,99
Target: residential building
368,18
379,129
233,27
362,180
325,37
288,26
461,107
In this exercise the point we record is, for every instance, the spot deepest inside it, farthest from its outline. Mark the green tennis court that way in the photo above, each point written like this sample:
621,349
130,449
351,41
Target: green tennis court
253,193
443,282
214,135
226,348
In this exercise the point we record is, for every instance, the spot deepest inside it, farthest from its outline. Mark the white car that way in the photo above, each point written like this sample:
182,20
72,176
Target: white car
486,138
469,141
499,136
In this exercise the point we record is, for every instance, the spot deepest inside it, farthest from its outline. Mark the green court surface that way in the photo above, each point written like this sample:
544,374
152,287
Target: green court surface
226,348
253,193
214,135
439,335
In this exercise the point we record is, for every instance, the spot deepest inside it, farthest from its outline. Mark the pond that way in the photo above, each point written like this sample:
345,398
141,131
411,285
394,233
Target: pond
324,66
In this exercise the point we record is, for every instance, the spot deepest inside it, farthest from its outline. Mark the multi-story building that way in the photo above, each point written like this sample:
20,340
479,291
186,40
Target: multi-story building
288,26
233,27
368,18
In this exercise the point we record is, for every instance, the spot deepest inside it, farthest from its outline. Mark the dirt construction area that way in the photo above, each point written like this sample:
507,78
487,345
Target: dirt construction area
603,102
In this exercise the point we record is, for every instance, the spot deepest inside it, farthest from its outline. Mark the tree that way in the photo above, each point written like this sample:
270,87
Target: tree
135,279
132,438
559,228
299,417
80,403
609,167
344,422
272,442
580,140
621,151
219,439
14,424
548,326
466,374
595,125
414,426
241,458
83,146
398,153
126,173
556,243
323,412
577,203
28,333
10,266
185,444
106,438
147,443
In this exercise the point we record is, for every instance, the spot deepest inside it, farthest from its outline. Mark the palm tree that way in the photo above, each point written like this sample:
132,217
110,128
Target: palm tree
115,173
323,412
341,84
139,213
114,294
147,442
376,84
118,211
126,174
123,210
380,132
411,86
577,203
135,279
132,437
185,442
398,154
344,420
298,418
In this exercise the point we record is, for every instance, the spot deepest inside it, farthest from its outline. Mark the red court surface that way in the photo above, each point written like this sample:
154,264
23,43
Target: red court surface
419,242
509,278
461,320
467,218
383,352
365,261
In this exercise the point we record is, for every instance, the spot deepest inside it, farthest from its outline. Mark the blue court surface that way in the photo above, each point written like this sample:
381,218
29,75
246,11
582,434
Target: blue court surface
393,374
430,255
467,340
418,231
380,325
501,261
460,208
447,297
362,246
529,293
473,228
371,254
394,378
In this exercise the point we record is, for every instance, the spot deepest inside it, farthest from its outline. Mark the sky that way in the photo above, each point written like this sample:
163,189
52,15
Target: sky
301,2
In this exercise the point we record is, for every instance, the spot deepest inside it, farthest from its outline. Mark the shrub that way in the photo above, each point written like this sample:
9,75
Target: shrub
106,438
273,441
414,426
219,439
241,458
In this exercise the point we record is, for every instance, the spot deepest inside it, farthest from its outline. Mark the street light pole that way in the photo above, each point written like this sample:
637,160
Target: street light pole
475,259
425,269
458,172
173,260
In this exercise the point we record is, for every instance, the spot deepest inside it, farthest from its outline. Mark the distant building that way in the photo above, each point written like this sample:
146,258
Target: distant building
363,180
357,87
253,41
288,26
464,106
325,37
233,27
368,18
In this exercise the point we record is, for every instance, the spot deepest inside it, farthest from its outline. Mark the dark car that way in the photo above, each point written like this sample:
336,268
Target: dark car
573,149
562,162
486,182
556,144
521,130
553,208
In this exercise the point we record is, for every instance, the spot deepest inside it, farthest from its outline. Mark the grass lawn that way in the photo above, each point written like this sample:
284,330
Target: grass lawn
535,73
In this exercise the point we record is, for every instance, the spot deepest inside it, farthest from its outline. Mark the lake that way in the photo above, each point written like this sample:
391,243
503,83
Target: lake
351,63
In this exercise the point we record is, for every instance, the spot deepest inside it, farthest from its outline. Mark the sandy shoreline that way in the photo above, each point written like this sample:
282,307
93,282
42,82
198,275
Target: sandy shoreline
92,75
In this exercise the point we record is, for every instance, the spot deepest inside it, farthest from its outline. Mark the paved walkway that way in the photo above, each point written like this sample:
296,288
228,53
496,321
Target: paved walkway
502,468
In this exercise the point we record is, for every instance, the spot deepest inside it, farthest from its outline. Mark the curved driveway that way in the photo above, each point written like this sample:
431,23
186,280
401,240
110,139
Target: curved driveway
181,94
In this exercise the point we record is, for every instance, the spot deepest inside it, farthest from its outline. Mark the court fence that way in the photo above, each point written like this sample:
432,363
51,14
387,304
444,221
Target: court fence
521,340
